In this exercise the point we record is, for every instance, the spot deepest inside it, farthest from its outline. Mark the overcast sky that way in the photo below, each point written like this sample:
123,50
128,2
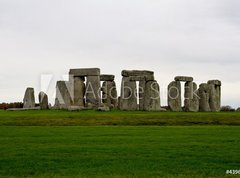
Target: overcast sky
198,38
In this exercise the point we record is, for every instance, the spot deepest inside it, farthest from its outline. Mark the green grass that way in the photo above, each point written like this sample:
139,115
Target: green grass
117,151
59,143
95,118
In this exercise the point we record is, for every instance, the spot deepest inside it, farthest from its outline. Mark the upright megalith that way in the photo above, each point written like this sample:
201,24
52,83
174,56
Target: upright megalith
64,95
93,91
128,99
79,89
215,95
174,96
109,91
191,95
29,99
204,97
43,100
152,96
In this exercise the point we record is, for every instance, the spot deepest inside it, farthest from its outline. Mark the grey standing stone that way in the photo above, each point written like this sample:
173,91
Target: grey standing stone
43,100
215,95
29,99
64,95
174,96
79,89
152,96
93,91
128,99
191,102
204,98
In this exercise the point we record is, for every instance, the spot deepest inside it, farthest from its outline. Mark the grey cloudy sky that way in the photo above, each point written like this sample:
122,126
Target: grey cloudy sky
199,38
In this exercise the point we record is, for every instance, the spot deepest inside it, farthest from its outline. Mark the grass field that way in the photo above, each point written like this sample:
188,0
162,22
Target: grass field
118,144
95,118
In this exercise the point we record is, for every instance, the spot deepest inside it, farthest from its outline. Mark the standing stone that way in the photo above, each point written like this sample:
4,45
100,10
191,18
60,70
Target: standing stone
93,91
43,100
29,99
114,96
215,95
128,99
78,91
152,96
64,95
204,98
174,96
191,102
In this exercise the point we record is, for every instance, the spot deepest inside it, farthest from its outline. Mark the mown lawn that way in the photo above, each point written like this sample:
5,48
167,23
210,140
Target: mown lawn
119,151
121,118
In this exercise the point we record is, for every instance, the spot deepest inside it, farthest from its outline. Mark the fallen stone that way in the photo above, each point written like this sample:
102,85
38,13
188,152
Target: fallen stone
104,109
76,108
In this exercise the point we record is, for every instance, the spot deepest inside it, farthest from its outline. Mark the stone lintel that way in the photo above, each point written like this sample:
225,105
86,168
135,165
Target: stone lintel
128,73
183,79
82,72
105,77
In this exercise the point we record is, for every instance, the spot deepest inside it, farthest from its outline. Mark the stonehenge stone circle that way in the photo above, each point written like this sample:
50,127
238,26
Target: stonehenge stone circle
87,88
29,99
43,100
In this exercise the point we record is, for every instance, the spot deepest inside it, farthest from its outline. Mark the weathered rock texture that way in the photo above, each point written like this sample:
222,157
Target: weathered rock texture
109,94
64,95
204,97
174,96
191,102
128,100
29,99
152,96
184,79
43,100
215,95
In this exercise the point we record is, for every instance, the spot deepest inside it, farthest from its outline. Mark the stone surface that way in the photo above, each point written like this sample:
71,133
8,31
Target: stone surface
107,77
79,89
93,90
152,96
76,108
183,79
128,73
204,98
128,100
64,95
191,102
215,82
109,94
43,100
84,72
142,78
174,96
29,98
141,94
215,97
